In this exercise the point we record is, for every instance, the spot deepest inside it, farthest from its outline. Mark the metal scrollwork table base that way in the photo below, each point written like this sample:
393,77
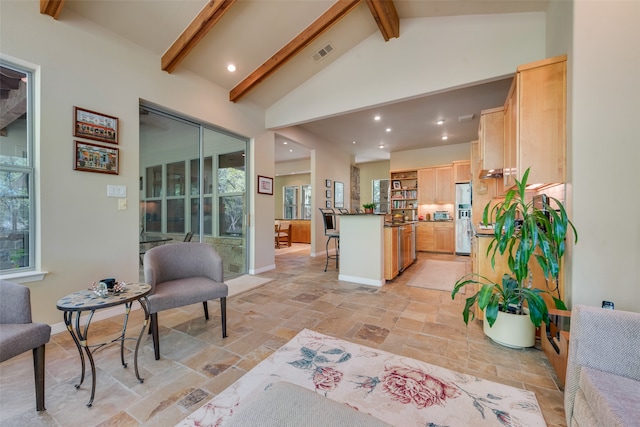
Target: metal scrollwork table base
73,305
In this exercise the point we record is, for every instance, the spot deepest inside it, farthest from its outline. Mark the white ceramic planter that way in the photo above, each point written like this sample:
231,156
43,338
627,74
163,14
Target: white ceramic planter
511,330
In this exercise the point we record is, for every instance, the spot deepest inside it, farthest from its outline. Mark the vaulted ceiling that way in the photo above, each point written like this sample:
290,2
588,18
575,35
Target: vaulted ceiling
276,45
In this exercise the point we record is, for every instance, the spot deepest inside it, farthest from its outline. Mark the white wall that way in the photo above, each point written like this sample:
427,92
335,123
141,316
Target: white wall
368,172
605,153
428,157
430,55
83,237
261,217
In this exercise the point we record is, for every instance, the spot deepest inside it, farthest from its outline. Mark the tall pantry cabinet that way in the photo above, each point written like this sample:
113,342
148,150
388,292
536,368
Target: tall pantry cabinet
535,122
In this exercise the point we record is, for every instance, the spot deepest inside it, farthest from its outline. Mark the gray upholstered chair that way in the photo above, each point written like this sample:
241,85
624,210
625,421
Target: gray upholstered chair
603,370
183,274
19,334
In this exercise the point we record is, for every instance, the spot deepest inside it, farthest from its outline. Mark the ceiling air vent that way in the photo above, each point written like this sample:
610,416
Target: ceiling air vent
466,118
322,53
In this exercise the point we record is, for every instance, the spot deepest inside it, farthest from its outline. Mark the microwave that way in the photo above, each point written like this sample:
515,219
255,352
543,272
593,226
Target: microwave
441,216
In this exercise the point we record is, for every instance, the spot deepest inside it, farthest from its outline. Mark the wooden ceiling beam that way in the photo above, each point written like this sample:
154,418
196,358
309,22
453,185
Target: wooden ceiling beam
51,7
336,12
209,16
385,14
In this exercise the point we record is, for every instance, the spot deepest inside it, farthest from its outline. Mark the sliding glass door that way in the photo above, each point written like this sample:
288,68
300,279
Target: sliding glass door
193,178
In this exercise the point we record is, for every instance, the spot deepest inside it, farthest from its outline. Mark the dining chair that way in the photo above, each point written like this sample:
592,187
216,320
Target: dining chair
284,234
19,334
332,233
180,275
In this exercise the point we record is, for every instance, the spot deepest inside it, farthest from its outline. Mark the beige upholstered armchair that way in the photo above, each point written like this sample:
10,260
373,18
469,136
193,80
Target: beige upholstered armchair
183,274
19,334
603,370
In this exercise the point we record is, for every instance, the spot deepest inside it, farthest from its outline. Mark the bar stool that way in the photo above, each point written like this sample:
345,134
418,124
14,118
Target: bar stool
332,232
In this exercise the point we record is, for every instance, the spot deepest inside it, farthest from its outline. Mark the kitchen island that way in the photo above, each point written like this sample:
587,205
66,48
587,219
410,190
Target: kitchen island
368,244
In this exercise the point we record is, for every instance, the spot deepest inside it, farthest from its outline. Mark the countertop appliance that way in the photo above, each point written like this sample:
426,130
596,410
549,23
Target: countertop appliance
463,228
441,216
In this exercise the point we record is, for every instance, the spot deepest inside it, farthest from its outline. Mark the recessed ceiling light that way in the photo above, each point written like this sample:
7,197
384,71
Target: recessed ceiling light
381,146
445,137
291,150
377,118
388,129
440,122
231,68
354,142
285,142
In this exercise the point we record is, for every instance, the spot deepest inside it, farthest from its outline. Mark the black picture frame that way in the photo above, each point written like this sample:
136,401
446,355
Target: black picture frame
265,185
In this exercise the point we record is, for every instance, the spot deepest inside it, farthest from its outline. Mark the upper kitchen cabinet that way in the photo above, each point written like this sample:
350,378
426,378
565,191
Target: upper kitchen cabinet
491,141
436,185
444,185
535,123
462,171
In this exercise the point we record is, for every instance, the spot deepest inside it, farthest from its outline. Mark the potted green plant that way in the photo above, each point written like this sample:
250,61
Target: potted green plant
369,207
522,231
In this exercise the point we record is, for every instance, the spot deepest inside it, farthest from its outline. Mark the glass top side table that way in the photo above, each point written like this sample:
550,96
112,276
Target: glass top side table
86,300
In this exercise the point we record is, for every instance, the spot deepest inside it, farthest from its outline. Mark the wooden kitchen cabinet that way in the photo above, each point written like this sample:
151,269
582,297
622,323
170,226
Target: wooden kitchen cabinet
427,186
407,246
435,236
461,172
444,237
424,237
444,185
436,185
535,123
491,140
391,268
300,231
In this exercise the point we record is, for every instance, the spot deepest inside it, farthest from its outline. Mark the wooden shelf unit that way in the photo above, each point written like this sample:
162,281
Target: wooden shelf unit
404,191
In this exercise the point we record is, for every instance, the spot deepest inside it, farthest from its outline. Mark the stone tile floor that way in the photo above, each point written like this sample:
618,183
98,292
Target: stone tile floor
196,363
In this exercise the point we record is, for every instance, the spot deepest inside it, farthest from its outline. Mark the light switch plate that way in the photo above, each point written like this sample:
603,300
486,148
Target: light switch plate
116,191
122,204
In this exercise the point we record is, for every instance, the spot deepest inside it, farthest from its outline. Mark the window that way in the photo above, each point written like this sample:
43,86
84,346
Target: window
16,171
305,205
381,195
231,189
290,200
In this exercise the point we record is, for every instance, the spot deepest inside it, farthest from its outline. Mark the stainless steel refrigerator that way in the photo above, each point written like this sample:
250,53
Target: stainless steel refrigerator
463,219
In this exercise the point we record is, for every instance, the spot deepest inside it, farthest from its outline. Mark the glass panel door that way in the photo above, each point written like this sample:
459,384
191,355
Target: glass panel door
194,178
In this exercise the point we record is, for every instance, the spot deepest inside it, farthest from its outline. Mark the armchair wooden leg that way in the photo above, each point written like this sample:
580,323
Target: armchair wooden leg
223,313
38,368
206,310
154,332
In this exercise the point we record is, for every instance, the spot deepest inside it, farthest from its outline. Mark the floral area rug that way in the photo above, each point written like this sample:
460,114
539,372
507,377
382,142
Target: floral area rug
398,390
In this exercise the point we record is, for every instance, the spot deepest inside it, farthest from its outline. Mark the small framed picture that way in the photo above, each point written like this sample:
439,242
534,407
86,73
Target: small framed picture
91,125
265,185
396,185
328,204
95,158
327,183
328,194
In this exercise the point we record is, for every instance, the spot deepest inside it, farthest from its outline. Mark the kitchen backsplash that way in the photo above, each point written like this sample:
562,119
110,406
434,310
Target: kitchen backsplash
430,209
